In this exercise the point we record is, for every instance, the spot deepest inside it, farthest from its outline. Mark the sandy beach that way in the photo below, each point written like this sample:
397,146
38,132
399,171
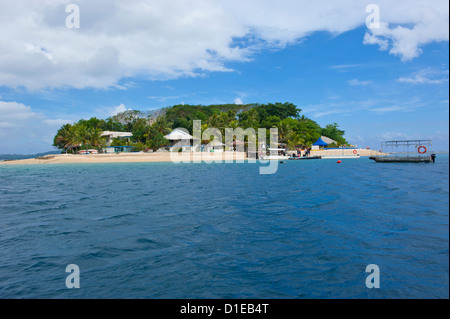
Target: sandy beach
126,158
155,157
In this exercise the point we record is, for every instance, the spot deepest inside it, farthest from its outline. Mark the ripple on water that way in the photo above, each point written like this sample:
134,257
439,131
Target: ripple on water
159,230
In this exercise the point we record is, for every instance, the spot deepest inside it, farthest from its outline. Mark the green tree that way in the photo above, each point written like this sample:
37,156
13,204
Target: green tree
332,131
295,139
149,128
309,130
162,125
286,128
95,138
65,138
249,118
280,110
88,136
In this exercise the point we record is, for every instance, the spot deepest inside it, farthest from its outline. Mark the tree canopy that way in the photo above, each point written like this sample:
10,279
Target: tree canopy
149,128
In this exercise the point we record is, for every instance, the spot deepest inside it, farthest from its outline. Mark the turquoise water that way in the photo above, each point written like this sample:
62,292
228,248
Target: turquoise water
162,230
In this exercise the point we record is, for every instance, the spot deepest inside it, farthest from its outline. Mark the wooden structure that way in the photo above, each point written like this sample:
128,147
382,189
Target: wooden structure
406,151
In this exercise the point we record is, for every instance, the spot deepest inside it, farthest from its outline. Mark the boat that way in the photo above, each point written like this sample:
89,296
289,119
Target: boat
406,151
275,157
305,158
275,154
87,152
404,159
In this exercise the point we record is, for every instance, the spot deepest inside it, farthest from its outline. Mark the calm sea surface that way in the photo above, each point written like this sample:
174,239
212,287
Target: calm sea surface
162,230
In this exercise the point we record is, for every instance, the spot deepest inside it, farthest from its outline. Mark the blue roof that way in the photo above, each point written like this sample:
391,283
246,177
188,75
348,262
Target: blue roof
320,142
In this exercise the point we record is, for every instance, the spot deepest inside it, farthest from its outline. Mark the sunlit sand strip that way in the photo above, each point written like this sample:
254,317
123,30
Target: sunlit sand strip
131,158
185,157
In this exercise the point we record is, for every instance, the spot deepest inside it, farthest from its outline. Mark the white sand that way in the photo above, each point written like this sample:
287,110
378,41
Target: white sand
160,157
127,158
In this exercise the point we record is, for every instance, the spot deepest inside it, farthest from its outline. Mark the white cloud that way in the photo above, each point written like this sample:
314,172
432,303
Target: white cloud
238,101
406,27
118,109
356,82
345,67
426,76
387,106
392,108
377,106
57,122
394,136
112,110
13,113
25,131
167,39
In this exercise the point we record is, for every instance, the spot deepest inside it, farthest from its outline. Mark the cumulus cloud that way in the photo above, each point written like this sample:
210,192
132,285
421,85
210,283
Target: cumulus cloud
406,27
24,130
111,111
13,114
238,101
118,109
161,40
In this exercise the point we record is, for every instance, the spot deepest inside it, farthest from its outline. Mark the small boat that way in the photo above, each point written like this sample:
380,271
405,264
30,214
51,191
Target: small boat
87,152
404,159
406,151
275,157
305,158
275,154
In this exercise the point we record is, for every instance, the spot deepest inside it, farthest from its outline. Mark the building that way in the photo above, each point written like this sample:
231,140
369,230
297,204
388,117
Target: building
214,146
112,135
179,138
118,149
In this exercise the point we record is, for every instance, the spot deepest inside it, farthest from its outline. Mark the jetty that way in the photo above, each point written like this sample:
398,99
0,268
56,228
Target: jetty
406,151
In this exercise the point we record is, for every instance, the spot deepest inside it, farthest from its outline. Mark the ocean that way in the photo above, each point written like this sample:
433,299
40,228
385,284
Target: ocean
164,230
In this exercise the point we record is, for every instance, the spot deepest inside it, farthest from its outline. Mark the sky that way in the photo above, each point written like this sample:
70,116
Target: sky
380,69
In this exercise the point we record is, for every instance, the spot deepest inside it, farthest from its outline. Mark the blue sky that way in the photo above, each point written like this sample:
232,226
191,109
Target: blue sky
390,83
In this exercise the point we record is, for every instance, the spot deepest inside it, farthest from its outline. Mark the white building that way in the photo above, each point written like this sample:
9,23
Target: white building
183,137
112,135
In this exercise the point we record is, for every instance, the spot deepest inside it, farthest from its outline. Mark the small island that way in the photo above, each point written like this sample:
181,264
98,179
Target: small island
135,136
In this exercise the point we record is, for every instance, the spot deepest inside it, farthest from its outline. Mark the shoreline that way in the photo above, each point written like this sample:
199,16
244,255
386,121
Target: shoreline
126,158
158,157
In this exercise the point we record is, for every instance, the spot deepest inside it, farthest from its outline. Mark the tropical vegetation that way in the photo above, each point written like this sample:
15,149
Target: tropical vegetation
149,128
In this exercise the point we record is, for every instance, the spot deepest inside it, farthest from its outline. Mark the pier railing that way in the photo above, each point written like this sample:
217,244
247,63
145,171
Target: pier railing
416,148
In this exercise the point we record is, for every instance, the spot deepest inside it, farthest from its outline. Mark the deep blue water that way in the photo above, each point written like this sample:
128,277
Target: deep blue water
162,230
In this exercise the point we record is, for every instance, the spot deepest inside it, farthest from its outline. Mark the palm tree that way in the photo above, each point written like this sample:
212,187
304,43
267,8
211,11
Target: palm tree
95,138
283,130
65,138
161,125
83,135
303,118
249,119
294,139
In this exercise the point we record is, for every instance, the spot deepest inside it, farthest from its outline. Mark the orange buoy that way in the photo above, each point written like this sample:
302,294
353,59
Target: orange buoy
339,162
